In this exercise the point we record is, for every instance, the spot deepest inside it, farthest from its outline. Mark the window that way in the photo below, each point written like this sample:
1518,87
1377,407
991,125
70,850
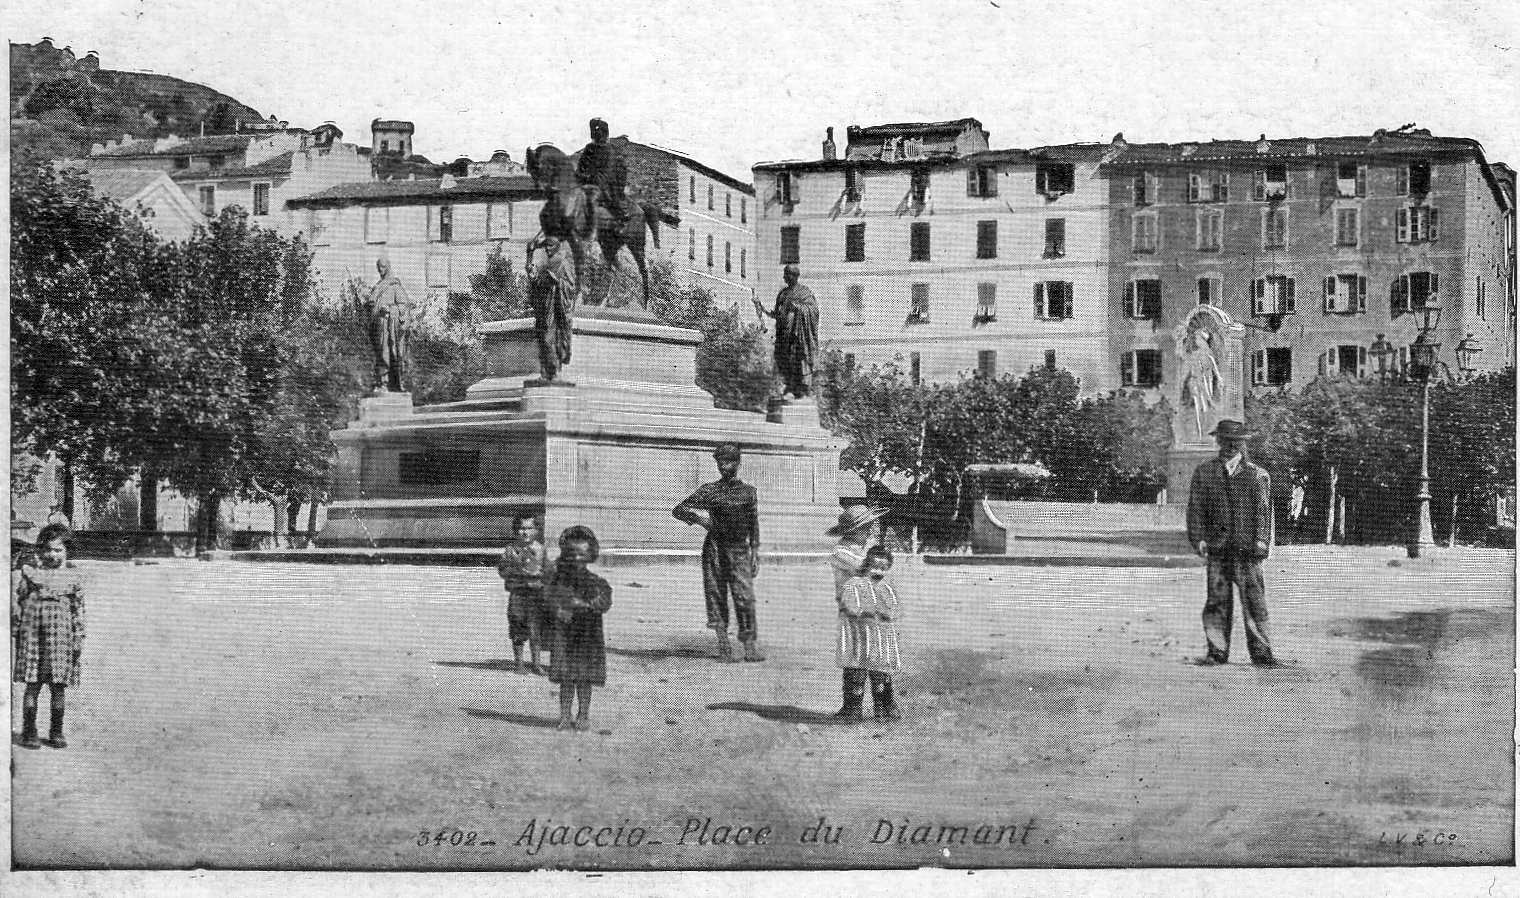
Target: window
743,263
986,239
1210,230
981,180
710,206
691,188
208,200
1055,238
1413,179
438,269
728,257
786,190
791,243
915,368
1210,291
854,185
986,363
1482,294
1142,299
181,162
728,205
385,146
854,305
1271,183
1140,368
918,309
918,241
1350,179
1272,367
1272,295
1208,187
216,161
1345,293
986,304
1417,224
1410,292
1055,178
1347,226
1145,189
709,250
498,221
377,224
441,224
743,210
855,243
1050,360
1144,234
261,199
691,243
918,185
1052,300
1349,360
1274,228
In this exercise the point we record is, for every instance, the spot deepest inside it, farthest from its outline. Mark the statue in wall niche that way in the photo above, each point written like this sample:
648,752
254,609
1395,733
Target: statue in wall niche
390,314
1199,380
551,293
796,317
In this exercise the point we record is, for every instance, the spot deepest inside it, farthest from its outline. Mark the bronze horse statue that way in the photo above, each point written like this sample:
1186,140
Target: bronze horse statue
572,213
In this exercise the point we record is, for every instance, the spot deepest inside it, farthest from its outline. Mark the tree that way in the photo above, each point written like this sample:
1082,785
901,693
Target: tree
734,359
1115,449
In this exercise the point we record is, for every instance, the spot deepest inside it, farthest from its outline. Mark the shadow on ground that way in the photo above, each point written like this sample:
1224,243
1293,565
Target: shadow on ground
662,654
505,665
525,720
780,713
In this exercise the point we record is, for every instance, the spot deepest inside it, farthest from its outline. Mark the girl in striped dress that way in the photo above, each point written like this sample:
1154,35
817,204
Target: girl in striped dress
47,624
868,610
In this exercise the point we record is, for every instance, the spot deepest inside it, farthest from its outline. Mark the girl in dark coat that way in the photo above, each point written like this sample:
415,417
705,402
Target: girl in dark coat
579,598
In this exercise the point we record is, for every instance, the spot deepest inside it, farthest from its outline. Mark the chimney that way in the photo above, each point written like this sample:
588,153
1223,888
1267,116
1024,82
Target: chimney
829,150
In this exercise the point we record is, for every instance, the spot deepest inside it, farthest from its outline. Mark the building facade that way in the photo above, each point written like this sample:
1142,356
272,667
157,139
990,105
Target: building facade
160,202
928,249
1320,246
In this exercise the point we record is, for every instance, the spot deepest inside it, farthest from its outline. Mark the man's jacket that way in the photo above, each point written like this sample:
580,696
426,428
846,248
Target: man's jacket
1231,514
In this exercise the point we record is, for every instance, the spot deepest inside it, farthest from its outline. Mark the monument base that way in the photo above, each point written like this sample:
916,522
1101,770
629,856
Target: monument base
1181,461
786,410
616,453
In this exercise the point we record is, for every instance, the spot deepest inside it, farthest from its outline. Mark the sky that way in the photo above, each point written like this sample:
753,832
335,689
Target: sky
734,84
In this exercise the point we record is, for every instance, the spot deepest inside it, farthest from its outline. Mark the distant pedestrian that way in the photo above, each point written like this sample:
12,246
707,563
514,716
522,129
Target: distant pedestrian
579,598
1229,522
867,645
47,623
858,530
728,509
522,567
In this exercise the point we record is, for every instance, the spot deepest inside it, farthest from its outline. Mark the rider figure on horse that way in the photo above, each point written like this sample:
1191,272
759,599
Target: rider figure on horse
601,167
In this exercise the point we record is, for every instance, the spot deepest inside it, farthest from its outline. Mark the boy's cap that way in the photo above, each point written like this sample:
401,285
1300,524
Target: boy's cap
727,452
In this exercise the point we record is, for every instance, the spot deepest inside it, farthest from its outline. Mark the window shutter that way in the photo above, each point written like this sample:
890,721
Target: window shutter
1361,180
1361,293
1129,299
1330,293
1259,190
1361,361
1435,284
1039,300
1194,188
1432,227
1127,369
1259,367
1401,218
1289,308
971,181
992,179
1401,180
1398,296
1324,361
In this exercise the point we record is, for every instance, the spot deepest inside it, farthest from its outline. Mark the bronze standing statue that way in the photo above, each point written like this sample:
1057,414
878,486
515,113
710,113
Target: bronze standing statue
796,316
551,291
390,319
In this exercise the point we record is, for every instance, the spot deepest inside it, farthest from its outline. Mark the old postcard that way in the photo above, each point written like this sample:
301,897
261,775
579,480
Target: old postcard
975,439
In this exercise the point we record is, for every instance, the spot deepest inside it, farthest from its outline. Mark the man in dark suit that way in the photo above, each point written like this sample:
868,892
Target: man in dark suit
1229,522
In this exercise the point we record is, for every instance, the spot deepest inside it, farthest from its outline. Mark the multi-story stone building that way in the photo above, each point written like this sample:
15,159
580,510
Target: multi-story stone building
258,171
1317,245
437,232
922,243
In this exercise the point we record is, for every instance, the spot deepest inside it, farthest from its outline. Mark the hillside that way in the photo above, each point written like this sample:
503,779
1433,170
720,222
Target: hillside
61,104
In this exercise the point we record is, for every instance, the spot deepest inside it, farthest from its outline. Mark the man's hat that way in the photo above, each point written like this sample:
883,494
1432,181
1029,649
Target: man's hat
1231,429
726,452
855,517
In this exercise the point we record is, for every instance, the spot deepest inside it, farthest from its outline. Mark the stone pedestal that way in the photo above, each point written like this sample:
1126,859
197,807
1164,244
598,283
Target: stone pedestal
785,410
615,452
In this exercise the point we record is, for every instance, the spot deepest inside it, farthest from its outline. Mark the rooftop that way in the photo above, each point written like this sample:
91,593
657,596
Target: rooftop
894,129
121,184
424,190
274,165
189,146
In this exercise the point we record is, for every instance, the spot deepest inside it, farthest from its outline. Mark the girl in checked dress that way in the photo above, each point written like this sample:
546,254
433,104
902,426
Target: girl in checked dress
47,624
868,610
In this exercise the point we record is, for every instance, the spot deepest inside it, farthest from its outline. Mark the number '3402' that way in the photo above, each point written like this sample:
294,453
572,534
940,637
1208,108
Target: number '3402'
454,837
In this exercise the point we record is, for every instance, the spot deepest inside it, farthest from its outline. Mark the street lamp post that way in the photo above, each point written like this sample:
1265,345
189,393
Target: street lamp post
1422,363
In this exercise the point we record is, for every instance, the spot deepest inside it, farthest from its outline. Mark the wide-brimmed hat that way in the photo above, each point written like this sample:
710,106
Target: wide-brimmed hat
855,518
1231,429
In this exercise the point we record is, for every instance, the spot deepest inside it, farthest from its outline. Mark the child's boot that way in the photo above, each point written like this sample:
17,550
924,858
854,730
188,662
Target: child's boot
883,704
854,698
751,653
29,728
566,703
516,657
725,648
583,716
55,730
